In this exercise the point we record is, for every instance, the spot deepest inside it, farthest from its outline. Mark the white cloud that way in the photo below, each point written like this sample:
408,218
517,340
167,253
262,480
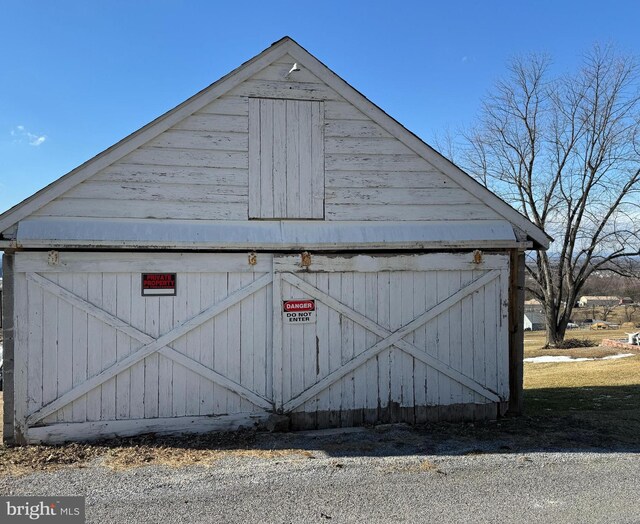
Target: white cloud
23,135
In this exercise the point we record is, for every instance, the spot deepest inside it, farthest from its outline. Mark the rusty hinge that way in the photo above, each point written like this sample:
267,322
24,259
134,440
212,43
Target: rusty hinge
305,259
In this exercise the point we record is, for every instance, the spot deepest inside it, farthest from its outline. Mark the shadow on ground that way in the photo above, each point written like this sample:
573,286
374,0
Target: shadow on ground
595,419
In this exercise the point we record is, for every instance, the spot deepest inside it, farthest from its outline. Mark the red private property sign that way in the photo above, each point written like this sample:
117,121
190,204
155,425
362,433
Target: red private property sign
299,311
158,284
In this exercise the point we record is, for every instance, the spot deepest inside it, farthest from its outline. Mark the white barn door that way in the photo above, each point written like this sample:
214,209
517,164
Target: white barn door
391,333
102,359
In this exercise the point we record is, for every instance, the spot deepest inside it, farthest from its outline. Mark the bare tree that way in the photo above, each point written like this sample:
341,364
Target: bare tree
607,309
630,312
566,152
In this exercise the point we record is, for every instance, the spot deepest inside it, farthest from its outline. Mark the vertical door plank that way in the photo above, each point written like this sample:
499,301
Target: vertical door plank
50,349
260,340
138,320
293,163
323,330
65,347
455,337
384,357
278,340
108,411
478,337
94,346
492,317
305,164
165,365
255,195
266,158
420,341
466,312
233,342
359,345
123,344
179,372
279,159
335,348
151,363
80,346
206,343
35,351
407,387
348,393
503,337
192,349
317,160
247,313
395,361
220,394
310,357
444,292
371,367
431,329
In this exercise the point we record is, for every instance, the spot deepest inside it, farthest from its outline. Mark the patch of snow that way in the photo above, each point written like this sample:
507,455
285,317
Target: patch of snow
549,358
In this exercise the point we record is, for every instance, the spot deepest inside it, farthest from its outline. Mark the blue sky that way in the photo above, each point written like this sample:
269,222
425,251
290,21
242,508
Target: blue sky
77,76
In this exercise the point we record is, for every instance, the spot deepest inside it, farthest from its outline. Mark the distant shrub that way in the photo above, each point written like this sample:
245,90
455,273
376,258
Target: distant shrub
570,343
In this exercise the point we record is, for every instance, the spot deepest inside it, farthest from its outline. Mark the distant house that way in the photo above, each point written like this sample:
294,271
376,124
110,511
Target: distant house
588,301
533,305
534,321
625,300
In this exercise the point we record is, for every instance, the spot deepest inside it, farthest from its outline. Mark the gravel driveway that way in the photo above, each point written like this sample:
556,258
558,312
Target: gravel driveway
360,476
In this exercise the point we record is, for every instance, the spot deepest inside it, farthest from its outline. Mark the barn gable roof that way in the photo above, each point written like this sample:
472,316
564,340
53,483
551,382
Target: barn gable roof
278,50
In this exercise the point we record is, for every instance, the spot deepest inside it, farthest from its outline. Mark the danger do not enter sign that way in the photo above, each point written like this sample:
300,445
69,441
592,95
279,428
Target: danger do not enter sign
299,311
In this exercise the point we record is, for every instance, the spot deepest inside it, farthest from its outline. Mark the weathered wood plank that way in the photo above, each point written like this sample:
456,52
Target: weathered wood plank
98,208
370,162
408,212
255,191
206,140
88,262
403,197
219,123
157,175
424,179
189,158
366,145
59,433
159,192
375,264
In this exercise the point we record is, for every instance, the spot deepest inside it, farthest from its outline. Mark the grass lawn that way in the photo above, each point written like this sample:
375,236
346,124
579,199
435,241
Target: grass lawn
598,401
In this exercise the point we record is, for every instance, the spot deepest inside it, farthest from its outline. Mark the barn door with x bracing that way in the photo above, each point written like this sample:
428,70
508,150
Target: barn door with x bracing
101,356
388,333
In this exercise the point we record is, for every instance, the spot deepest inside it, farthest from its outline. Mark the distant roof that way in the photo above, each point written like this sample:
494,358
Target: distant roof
535,317
598,297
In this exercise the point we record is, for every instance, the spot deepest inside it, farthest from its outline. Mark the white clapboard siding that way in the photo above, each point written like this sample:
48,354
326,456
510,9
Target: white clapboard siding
214,140
274,147
286,159
158,175
105,208
165,192
399,196
441,211
226,105
290,90
391,335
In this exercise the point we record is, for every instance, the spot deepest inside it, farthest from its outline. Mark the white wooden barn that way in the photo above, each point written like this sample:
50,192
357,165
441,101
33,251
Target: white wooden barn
276,244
